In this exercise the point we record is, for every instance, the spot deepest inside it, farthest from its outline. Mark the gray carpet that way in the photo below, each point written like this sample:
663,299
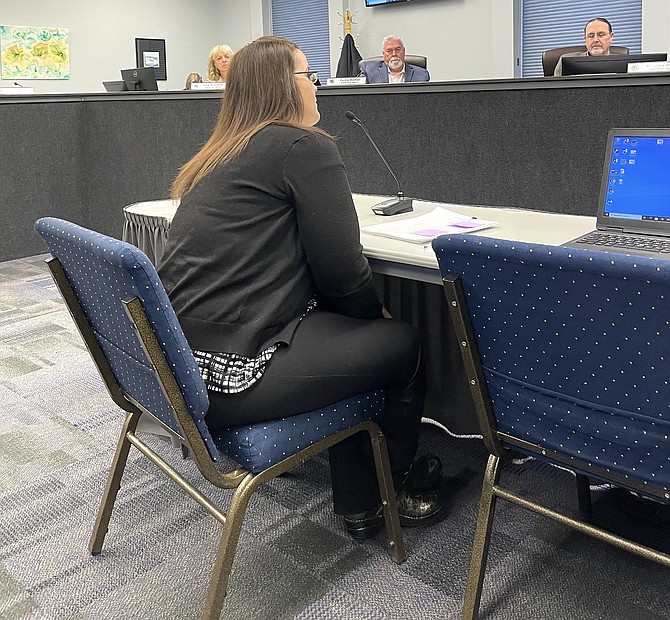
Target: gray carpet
58,429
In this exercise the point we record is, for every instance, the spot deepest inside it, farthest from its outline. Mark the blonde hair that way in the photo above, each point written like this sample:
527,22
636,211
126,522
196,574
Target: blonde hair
213,74
261,90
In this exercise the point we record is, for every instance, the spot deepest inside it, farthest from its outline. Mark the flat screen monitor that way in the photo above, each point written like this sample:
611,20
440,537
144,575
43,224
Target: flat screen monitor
614,63
380,2
143,78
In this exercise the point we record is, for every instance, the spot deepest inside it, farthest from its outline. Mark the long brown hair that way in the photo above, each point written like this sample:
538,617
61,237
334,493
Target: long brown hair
260,91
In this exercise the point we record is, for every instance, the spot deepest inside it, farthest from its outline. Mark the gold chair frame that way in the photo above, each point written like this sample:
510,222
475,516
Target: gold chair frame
242,481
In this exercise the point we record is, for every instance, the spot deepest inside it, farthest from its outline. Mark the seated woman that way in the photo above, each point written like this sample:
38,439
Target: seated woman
266,272
218,63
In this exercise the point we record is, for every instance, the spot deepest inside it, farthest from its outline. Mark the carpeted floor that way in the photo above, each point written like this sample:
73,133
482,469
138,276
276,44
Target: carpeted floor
58,429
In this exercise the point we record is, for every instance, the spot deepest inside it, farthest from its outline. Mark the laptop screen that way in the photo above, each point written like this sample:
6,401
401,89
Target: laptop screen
636,183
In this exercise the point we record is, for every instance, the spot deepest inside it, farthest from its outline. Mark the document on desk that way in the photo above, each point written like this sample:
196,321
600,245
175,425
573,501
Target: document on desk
439,221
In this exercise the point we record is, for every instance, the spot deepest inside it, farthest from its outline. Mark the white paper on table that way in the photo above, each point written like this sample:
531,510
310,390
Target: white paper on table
426,227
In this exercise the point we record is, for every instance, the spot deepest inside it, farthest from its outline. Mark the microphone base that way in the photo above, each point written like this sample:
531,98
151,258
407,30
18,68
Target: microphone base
393,206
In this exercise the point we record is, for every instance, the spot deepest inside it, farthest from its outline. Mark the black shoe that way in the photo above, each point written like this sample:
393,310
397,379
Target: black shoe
415,508
419,497
364,525
425,474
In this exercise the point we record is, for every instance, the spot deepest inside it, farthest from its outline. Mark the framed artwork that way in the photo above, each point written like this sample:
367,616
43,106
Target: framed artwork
34,53
151,53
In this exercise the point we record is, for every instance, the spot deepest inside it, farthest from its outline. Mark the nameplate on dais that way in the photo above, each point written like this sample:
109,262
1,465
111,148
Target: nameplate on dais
344,81
17,90
649,67
208,85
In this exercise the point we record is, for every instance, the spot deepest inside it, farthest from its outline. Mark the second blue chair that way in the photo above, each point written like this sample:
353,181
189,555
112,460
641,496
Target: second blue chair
566,354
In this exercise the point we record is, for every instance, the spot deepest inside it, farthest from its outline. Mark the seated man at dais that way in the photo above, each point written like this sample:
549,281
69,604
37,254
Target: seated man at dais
393,69
598,37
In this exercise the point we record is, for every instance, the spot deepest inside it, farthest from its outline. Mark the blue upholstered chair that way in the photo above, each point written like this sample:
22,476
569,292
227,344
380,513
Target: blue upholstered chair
568,358
123,313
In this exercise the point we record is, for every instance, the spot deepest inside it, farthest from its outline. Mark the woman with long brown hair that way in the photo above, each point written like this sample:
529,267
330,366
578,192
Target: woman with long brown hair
265,270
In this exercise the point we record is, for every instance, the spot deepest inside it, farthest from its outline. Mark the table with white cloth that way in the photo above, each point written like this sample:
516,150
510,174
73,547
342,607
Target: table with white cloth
408,283
147,224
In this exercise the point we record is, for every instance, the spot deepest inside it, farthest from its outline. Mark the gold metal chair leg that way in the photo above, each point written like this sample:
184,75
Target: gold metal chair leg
223,564
218,585
480,545
113,484
396,544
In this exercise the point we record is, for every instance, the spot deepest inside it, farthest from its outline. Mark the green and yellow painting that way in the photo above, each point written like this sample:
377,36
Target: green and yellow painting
34,53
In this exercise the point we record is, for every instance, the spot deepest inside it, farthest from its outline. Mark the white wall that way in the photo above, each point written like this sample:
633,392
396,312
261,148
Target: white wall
655,26
102,37
242,21
463,39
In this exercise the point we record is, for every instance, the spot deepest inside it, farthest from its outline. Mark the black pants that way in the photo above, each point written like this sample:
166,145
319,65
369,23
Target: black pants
331,358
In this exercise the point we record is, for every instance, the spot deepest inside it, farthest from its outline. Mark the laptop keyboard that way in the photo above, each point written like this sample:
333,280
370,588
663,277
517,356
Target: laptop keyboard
633,242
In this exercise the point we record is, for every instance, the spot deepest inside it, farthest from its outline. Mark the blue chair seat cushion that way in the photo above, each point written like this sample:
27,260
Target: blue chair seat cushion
256,447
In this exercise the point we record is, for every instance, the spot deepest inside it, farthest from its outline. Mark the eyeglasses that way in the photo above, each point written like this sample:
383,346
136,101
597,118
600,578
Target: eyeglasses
600,35
312,76
393,50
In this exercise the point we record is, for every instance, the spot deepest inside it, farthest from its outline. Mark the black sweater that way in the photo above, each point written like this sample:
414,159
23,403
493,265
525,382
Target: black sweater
260,236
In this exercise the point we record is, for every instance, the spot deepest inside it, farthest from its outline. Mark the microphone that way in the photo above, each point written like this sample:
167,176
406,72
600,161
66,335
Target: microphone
393,206
17,84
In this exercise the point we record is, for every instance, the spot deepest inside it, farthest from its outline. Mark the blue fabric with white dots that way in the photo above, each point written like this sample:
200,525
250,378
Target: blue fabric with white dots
259,446
575,349
103,271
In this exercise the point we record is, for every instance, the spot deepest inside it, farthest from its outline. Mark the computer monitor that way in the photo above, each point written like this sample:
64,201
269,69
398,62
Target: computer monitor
143,78
381,2
614,63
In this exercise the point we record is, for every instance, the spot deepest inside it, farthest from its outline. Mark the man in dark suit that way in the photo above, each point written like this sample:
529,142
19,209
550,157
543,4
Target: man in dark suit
393,69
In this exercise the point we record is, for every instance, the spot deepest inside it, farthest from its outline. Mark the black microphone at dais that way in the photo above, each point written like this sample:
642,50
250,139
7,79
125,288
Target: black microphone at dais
392,206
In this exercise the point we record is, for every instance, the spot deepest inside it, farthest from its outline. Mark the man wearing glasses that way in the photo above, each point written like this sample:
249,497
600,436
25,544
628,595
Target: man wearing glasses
598,37
393,69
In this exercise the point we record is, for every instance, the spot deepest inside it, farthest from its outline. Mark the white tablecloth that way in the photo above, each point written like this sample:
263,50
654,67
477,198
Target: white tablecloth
146,225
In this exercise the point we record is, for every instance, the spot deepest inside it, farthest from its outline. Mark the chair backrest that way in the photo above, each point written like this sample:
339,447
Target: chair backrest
103,272
574,352
412,59
550,57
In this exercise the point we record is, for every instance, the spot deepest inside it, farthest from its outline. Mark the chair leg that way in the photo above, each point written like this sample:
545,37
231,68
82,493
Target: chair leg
113,484
480,545
223,564
396,544
583,495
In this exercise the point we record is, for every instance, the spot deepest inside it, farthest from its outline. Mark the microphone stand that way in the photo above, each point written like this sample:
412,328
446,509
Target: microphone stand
392,206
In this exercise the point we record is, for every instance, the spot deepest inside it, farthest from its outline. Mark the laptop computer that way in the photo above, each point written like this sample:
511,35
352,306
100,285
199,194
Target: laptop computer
114,86
634,203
